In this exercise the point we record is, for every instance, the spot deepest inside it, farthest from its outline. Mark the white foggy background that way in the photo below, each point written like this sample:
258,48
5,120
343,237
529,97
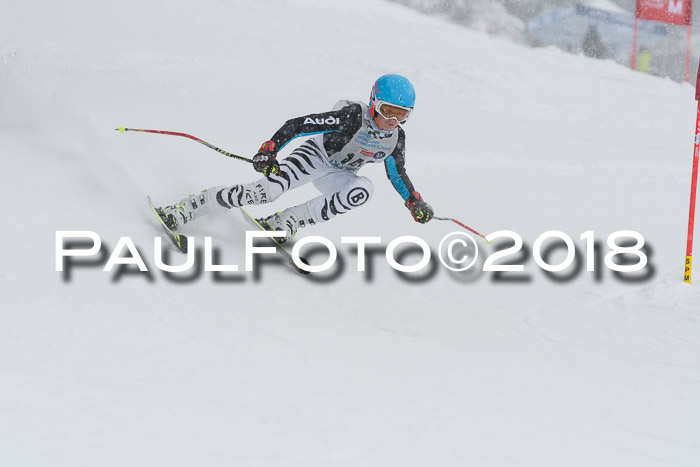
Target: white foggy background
508,19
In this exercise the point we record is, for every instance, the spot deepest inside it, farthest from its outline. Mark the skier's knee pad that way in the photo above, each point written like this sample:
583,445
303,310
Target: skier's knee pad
259,192
268,189
357,193
350,195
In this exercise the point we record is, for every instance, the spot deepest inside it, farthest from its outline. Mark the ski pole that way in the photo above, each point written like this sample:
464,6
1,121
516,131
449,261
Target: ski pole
461,225
173,133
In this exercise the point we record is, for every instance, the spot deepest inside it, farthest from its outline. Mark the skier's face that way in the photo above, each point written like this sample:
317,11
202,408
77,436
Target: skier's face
386,124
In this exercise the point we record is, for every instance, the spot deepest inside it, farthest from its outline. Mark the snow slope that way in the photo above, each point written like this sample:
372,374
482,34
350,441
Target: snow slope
360,369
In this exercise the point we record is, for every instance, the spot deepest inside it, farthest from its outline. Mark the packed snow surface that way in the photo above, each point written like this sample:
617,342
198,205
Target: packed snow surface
345,368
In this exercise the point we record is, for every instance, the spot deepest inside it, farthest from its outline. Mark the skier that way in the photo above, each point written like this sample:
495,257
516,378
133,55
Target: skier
344,139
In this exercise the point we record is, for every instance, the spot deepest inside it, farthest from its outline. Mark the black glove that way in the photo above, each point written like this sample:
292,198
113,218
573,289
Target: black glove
420,210
265,161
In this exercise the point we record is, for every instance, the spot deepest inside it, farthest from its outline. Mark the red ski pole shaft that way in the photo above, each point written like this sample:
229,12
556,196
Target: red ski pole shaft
461,225
174,133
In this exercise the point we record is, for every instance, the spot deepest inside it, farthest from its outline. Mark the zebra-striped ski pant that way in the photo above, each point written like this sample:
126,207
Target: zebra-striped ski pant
341,191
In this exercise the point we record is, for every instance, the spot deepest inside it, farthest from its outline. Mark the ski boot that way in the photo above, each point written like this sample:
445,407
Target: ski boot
288,221
188,209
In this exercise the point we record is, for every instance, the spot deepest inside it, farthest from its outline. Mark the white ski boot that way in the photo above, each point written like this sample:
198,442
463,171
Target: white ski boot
187,210
289,221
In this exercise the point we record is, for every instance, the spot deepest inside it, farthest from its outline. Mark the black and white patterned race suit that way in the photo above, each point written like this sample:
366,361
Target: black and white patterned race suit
343,141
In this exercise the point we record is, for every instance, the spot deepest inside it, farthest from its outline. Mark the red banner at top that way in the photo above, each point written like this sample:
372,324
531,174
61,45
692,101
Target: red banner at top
667,11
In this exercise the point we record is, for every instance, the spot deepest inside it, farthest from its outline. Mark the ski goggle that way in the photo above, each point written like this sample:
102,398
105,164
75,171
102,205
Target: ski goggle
396,112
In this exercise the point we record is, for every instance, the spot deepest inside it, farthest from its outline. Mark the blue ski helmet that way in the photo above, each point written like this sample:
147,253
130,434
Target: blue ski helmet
392,89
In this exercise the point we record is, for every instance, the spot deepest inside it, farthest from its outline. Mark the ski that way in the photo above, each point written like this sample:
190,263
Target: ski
279,247
180,241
